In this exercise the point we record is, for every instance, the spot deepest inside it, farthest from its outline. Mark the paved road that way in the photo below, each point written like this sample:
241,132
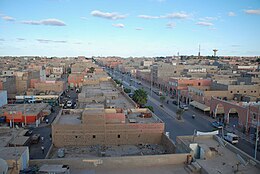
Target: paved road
187,126
45,130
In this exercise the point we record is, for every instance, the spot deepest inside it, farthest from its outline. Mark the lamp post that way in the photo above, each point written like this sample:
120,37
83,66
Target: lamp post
151,79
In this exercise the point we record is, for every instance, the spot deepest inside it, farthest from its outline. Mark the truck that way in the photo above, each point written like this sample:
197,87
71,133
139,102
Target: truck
232,138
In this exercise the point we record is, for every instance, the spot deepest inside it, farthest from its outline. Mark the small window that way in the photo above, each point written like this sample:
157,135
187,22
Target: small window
175,72
76,136
254,116
199,83
237,91
4,72
118,136
251,91
255,91
94,136
244,91
231,92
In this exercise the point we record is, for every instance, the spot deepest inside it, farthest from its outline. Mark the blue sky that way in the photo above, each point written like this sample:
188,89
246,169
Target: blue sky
129,28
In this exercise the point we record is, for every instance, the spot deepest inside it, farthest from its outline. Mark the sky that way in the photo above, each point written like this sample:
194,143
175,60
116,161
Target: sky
129,27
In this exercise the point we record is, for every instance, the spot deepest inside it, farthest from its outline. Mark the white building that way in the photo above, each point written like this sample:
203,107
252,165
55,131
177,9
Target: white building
3,98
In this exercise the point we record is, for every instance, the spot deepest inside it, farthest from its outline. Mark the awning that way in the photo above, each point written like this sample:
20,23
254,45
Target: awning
200,106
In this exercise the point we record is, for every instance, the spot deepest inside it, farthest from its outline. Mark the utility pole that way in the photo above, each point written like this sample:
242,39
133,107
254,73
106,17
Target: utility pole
151,79
257,130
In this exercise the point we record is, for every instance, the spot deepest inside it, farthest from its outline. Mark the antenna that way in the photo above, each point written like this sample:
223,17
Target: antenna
199,52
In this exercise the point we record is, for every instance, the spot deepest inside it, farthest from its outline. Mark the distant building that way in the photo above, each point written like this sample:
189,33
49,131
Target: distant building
3,98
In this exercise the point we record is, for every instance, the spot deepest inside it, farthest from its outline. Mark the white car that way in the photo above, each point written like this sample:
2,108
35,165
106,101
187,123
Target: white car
184,107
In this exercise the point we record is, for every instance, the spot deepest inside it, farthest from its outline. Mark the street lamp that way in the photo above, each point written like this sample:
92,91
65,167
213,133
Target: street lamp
151,79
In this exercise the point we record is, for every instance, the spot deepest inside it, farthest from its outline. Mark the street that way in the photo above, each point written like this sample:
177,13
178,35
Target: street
187,125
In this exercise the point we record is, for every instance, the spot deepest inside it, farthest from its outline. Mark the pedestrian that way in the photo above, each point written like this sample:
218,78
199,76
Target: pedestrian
42,149
50,137
42,138
47,120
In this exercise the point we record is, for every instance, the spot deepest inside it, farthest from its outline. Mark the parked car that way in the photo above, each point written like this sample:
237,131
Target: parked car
232,138
69,103
217,124
35,138
175,102
184,107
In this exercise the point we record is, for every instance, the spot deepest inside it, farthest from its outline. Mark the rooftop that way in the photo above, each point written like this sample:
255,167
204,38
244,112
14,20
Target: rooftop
34,108
218,157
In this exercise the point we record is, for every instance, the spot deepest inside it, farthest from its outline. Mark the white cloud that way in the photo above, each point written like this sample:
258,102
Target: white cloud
178,15
170,25
20,39
256,11
231,13
84,18
139,28
2,39
149,17
208,18
207,24
51,41
106,15
8,18
50,22
119,25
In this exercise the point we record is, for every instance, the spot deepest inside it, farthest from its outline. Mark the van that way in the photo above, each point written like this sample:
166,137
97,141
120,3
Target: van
232,138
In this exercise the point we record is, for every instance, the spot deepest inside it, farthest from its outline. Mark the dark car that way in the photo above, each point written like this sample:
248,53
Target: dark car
175,102
217,124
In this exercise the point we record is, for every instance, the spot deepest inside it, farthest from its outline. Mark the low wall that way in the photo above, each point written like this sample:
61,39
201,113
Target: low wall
116,162
168,144
240,152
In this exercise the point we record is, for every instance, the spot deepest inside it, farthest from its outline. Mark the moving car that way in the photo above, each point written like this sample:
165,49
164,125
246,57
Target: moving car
232,138
217,124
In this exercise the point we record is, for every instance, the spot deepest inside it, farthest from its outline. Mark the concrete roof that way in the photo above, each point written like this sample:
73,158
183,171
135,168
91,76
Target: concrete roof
225,160
29,109
73,119
9,153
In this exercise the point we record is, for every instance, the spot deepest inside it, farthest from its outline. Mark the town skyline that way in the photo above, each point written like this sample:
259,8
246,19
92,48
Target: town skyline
137,28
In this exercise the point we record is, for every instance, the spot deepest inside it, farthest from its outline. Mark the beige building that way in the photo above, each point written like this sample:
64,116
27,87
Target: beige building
106,127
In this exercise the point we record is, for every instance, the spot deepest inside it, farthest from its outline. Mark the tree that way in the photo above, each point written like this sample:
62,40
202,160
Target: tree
150,108
127,90
162,98
91,70
140,97
179,113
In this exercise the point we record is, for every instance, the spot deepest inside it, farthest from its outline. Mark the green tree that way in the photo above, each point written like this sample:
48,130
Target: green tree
127,90
140,97
162,98
91,70
150,107
179,113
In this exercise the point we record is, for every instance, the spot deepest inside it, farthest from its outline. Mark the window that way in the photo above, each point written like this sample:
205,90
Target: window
237,91
76,136
199,83
244,91
118,136
94,136
231,92
255,91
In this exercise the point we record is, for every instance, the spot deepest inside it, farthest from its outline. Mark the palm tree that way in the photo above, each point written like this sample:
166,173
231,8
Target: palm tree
140,97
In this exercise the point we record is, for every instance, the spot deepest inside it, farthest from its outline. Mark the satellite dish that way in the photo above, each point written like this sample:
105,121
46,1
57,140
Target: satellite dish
242,160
